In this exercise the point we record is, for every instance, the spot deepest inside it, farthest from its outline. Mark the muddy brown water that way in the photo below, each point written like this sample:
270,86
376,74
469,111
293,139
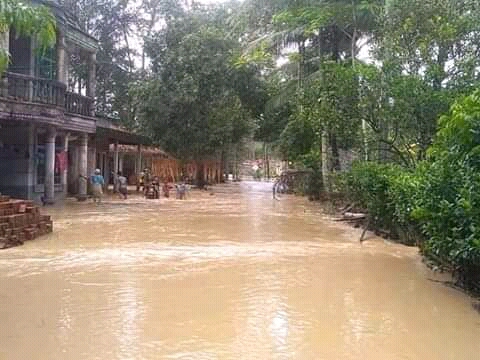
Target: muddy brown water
236,275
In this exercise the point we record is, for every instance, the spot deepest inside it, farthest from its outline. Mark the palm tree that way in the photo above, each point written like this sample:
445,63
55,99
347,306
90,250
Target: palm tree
317,30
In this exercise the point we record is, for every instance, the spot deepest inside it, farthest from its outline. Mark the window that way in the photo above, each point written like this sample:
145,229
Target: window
46,64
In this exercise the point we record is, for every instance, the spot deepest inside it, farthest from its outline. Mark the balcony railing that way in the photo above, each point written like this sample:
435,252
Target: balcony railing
27,88
31,89
78,104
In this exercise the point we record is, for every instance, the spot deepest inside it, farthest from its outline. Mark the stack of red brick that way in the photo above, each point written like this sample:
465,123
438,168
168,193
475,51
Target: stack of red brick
20,220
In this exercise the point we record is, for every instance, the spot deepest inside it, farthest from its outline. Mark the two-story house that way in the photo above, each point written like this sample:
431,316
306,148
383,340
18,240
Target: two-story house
47,118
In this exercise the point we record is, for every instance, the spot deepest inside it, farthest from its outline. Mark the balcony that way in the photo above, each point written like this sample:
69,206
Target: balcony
25,88
78,104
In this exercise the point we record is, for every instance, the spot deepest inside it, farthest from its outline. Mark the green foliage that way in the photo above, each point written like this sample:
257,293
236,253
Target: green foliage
111,23
449,194
298,138
313,185
329,101
307,18
387,192
28,20
401,112
421,37
439,201
198,101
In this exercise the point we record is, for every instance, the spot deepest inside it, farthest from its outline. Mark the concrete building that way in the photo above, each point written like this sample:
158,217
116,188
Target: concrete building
49,134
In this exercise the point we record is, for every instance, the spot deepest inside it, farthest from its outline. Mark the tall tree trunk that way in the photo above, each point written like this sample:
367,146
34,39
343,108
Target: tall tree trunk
331,135
440,73
268,164
365,139
383,125
222,166
324,157
235,163
354,63
264,160
336,45
301,64
335,152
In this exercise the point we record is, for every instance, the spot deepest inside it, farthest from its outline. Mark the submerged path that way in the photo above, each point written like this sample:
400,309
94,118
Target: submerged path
236,275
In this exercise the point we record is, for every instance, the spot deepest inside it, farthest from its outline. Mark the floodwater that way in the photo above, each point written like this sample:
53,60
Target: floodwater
234,275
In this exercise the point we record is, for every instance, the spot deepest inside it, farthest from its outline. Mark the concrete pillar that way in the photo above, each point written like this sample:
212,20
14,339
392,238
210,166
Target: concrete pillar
120,162
101,164
82,167
61,58
73,167
138,163
115,157
4,45
91,81
115,166
107,169
91,159
65,172
31,160
5,40
49,194
31,70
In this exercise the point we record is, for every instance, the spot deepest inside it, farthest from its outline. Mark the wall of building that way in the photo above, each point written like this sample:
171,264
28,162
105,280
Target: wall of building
73,171
16,161
91,160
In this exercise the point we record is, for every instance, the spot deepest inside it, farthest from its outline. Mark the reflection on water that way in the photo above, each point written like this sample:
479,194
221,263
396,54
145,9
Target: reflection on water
236,275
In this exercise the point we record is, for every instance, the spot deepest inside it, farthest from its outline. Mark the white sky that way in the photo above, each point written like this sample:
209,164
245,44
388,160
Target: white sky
210,1
363,55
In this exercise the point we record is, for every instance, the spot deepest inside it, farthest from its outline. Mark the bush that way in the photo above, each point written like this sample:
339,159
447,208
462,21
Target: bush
312,185
448,205
439,201
448,209
387,193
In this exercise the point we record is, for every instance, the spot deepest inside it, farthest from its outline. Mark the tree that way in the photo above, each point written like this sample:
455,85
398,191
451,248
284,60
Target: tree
327,105
318,31
436,40
28,20
197,102
113,23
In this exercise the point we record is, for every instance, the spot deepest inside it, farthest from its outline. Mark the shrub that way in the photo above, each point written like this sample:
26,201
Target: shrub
448,202
439,201
387,193
312,184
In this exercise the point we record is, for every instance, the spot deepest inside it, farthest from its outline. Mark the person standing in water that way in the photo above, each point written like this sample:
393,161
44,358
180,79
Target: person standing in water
181,190
97,185
122,185
166,189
